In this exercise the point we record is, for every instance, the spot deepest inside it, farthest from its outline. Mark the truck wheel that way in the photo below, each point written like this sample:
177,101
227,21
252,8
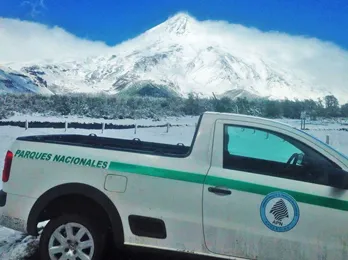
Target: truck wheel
72,237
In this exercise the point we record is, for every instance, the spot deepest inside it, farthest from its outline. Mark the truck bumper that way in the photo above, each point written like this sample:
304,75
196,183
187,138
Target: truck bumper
14,211
3,197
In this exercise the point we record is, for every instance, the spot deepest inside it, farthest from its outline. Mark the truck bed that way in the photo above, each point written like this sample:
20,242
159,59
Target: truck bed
93,141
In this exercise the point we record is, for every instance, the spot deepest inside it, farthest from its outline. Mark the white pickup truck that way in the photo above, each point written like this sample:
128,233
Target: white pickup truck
247,188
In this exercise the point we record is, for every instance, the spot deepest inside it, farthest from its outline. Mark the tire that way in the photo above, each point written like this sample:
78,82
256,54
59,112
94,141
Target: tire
85,237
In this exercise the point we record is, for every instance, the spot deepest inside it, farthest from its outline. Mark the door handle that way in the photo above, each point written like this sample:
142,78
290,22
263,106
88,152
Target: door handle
221,191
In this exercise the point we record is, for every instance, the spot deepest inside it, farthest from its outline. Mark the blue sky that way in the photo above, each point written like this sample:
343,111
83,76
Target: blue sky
113,21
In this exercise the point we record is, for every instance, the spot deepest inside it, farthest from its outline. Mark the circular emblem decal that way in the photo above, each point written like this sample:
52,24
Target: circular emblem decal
279,211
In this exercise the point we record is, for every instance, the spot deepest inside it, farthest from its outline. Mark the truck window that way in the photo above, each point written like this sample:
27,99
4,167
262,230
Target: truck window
265,152
259,144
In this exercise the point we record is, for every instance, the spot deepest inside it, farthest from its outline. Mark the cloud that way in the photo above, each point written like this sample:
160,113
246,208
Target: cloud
23,41
35,6
321,64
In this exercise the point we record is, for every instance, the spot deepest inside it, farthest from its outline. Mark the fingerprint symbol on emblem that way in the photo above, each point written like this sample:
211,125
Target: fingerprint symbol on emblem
279,210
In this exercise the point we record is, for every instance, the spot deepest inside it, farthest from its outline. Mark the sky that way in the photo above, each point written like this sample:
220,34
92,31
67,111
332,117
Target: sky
113,21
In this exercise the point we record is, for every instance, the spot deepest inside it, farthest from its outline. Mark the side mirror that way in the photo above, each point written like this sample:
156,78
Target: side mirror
338,179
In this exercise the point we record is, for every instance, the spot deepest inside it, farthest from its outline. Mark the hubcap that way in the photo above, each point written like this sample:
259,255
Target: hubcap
71,241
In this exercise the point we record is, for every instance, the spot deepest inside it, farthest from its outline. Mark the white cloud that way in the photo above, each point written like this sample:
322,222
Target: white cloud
23,41
320,62
35,6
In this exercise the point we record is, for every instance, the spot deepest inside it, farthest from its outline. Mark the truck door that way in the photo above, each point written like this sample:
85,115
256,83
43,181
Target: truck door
262,201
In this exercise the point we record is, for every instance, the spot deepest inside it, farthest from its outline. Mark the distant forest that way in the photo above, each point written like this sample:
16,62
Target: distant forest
117,107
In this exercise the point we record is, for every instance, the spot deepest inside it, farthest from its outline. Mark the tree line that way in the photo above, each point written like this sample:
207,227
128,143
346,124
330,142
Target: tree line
118,107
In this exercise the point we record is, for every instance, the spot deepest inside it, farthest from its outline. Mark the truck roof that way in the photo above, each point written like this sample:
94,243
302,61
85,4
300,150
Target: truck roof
219,115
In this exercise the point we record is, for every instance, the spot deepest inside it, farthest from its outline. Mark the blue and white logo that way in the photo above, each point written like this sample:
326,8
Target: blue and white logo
279,211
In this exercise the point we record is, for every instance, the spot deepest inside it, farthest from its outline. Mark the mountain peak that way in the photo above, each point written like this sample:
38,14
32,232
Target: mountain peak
179,24
181,15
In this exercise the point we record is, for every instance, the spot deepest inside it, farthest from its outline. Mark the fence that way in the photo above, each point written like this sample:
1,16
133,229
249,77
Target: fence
77,125
327,129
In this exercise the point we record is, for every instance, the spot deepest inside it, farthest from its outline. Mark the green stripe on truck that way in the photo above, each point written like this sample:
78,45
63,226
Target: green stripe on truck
157,172
231,184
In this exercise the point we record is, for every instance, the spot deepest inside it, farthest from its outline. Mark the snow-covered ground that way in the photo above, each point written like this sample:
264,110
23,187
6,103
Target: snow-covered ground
16,246
184,120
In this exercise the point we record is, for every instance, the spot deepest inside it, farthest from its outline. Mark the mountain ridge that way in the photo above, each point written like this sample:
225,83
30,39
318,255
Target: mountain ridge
12,81
179,56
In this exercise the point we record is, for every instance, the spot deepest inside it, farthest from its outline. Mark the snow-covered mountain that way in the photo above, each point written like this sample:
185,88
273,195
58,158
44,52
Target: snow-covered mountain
12,81
179,56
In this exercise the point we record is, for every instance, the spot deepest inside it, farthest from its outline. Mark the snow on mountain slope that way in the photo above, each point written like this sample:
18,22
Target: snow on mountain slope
14,82
179,56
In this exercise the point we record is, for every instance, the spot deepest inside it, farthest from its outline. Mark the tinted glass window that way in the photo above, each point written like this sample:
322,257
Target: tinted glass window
259,144
269,153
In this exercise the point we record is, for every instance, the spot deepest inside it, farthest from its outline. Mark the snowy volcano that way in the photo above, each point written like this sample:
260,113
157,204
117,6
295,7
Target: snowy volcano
179,56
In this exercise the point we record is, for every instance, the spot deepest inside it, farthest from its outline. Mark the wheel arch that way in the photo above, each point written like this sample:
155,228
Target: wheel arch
79,189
